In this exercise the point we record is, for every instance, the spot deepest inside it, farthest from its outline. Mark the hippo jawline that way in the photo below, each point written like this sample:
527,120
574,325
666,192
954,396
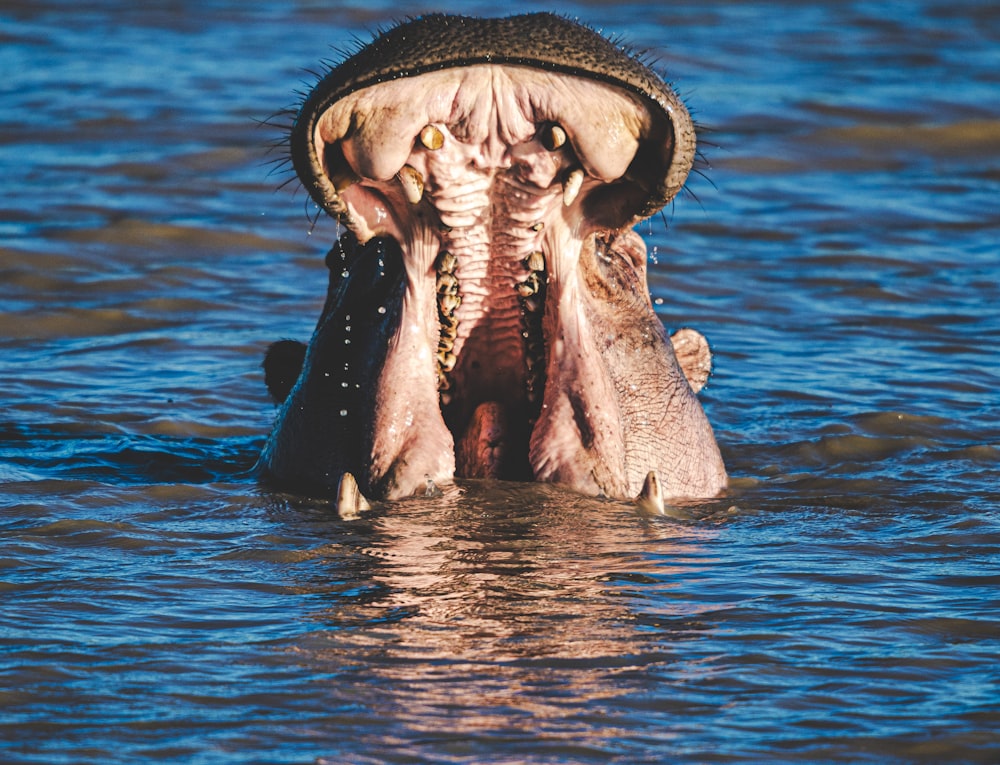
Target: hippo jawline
493,290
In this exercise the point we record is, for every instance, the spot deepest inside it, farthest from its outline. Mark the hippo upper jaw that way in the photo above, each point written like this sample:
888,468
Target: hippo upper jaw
522,322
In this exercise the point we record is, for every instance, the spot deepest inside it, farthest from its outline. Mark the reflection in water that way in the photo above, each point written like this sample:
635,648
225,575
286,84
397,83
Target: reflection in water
512,606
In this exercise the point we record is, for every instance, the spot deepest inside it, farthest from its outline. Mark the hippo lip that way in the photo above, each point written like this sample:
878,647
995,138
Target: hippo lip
654,145
497,154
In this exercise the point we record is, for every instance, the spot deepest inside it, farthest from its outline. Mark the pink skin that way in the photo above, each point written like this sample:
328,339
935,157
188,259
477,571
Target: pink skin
616,403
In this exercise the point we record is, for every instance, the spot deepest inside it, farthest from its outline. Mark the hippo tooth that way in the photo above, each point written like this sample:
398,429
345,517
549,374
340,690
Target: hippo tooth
350,501
447,360
529,286
532,297
447,284
651,496
413,183
432,138
448,303
572,186
535,261
553,137
446,262
447,320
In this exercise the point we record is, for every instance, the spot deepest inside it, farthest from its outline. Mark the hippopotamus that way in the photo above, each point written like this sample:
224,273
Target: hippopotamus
487,314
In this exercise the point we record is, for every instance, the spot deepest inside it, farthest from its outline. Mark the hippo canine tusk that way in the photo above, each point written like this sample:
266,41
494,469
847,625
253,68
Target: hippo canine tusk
432,138
553,137
572,187
413,183
350,501
650,497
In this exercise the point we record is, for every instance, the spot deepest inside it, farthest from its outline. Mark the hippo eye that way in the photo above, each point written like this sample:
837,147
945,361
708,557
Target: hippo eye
552,137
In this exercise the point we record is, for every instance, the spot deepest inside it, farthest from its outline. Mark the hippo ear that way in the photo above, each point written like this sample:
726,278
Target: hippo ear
282,366
694,356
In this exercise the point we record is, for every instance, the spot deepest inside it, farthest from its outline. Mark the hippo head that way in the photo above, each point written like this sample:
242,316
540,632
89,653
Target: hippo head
487,314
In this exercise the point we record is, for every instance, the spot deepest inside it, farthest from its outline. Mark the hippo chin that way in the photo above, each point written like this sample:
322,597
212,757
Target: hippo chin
487,313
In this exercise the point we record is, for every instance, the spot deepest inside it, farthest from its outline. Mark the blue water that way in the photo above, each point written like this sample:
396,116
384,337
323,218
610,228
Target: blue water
840,253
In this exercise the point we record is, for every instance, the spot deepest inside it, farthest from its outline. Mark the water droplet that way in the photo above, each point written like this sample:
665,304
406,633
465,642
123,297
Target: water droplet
344,384
345,273
658,301
347,341
381,309
343,412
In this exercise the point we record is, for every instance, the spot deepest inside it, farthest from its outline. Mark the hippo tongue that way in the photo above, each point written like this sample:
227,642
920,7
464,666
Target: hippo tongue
484,448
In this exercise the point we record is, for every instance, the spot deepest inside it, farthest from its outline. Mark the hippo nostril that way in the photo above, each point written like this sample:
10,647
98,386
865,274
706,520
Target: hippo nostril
432,138
552,137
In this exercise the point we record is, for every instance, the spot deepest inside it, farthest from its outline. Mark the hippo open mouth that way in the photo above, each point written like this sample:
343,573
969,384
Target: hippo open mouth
488,314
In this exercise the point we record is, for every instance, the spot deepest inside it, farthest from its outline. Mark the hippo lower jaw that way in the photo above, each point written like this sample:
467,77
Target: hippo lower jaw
488,314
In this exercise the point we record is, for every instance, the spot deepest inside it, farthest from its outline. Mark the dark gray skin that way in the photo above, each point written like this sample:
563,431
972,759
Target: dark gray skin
488,314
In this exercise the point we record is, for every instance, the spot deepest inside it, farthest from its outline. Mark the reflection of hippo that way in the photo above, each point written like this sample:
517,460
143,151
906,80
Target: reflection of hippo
487,313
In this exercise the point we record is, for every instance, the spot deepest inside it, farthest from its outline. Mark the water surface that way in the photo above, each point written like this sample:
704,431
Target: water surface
840,605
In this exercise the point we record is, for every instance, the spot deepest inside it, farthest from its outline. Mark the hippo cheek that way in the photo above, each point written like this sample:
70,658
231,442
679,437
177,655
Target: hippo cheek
325,424
507,171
